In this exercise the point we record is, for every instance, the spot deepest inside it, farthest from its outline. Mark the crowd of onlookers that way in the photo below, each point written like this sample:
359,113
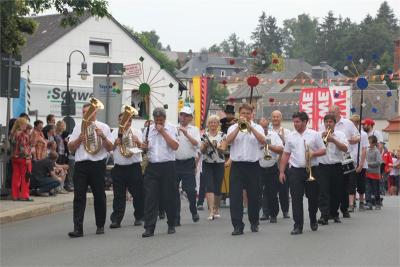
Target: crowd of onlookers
40,163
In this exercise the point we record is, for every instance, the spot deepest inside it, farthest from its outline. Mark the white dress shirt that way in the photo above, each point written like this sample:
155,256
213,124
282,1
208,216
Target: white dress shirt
245,147
333,154
285,135
80,153
363,144
158,149
295,146
186,150
121,160
272,139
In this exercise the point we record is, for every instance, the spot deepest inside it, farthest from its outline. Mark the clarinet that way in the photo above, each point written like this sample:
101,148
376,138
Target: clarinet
214,150
145,158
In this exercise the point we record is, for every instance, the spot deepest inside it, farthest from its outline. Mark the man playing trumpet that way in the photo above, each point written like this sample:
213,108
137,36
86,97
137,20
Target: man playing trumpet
331,181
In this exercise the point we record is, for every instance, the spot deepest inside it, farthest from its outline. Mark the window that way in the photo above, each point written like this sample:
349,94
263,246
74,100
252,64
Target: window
99,48
222,73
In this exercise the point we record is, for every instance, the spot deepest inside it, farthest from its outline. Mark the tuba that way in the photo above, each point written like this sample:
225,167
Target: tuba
126,135
308,162
92,142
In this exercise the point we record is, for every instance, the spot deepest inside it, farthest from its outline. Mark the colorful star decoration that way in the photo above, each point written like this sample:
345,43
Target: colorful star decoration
353,109
374,110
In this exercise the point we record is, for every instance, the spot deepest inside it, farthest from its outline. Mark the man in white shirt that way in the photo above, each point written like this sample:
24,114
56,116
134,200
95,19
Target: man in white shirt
245,169
299,142
357,178
189,141
90,171
160,175
283,133
353,137
368,126
330,176
127,173
269,156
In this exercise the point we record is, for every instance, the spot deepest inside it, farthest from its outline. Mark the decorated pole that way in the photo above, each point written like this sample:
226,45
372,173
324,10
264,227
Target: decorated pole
362,84
252,81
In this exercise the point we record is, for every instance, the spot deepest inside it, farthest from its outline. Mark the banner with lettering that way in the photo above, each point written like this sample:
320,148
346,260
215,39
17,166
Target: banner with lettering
316,102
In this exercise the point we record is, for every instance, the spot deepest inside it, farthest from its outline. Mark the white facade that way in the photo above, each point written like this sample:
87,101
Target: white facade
48,70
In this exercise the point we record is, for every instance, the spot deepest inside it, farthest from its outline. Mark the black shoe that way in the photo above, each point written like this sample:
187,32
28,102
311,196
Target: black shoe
75,233
100,231
171,230
237,230
161,215
137,222
337,220
69,188
351,209
148,232
114,225
254,228
296,231
314,226
195,217
200,207
273,220
264,217
346,214
286,215
323,221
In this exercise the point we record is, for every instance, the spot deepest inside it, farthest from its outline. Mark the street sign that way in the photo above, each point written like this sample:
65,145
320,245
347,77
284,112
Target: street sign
15,75
133,70
108,68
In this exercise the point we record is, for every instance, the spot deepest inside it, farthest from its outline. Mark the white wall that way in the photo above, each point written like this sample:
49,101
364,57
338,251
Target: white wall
49,67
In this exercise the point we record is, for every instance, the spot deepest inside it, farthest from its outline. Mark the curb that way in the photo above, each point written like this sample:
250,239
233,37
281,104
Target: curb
44,209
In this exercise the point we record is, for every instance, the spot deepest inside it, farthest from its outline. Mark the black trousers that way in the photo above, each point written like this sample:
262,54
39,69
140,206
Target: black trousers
331,187
357,182
244,175
283,195
160,186
185,172
202,190
298,186
270,187
344,199
89,173
127,177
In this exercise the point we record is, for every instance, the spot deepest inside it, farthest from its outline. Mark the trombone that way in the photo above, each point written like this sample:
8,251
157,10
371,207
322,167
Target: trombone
308,162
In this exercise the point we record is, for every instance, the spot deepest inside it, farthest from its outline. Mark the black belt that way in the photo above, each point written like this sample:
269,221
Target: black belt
125,166
91,161
333,164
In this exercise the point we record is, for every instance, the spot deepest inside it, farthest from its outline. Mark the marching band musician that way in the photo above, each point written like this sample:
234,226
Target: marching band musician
299,142
212,148
330,180
283,133
189,141
127,174
160,175
245,169
353,137
270,172
89,170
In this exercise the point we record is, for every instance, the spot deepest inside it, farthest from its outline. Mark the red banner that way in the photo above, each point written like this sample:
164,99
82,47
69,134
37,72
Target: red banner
316,102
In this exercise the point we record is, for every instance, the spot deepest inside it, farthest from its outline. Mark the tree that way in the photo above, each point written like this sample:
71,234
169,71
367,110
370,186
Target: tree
153,47
15,23
386,16
327,37
219,93
233,46
214,49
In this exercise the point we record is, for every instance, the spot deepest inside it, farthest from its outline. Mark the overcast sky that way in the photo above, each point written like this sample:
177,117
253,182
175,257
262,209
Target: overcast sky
194,24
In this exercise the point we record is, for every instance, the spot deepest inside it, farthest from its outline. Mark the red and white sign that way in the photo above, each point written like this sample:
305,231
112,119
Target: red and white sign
316,102
133,70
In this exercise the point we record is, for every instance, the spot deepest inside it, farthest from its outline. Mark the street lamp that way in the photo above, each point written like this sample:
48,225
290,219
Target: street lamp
68,99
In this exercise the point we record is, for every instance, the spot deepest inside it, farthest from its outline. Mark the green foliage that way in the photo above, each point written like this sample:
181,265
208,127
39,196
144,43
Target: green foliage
15,24
233,46
219,93
150,40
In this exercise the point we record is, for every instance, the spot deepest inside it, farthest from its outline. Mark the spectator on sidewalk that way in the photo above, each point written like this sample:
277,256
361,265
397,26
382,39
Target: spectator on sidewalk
373,174
39,143
45,176
50,120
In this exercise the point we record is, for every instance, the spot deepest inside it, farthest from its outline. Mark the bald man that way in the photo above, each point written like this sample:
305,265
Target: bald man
353,137
283,133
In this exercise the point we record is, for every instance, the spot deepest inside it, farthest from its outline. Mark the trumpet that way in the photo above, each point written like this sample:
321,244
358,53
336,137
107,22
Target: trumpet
308,162
267,154
328,134
244,125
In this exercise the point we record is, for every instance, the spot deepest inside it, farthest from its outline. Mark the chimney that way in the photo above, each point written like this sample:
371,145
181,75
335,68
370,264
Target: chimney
203,56
396,65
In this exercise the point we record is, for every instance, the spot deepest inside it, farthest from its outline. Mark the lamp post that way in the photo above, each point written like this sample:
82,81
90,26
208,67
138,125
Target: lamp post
84,74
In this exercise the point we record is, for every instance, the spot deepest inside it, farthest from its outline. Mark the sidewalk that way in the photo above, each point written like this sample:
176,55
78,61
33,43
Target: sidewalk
11,211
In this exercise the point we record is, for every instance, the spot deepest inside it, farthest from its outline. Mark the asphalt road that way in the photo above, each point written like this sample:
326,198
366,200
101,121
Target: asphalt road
369,238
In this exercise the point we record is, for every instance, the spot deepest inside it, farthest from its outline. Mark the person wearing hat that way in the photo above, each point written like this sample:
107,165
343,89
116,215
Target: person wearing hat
368,126
229,120
189,141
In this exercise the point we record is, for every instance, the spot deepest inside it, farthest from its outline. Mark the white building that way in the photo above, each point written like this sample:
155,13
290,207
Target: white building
101,40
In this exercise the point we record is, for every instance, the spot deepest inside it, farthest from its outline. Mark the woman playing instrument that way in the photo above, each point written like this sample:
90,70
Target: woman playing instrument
21,159
212,146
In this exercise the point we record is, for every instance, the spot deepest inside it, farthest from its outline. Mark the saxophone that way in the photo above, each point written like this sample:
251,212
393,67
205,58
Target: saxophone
92,142
126,135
